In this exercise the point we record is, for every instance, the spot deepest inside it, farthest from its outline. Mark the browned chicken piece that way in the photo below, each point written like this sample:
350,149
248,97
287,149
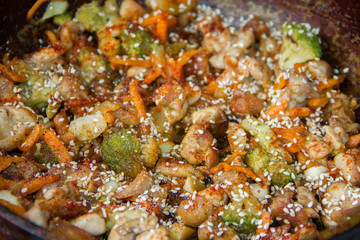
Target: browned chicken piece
341,113
45,57
268,47
349,165
197,147
17,122
244,103
70,87
257,26
216,36
172,100
215,228
62,230
340,202
8,89
196,210
259,71
319,69
285,210
236,137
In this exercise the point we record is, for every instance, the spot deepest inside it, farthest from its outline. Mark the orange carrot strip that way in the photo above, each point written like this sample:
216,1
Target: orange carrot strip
6,184
118,60
275,109
300,67
298,112
136,97
51,36
353,141
244,170
265,223
32,138
186,57
331,83
57,146
14,208
8,73
34,8
161,28
234,155
153,75
5,162
211,87
281,84
150,20
318,102
36,184
294,148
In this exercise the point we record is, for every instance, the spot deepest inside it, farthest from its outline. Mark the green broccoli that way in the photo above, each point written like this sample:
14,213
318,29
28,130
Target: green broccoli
257,159
122,152
137,44
62,18
44,154
91,16
92,65
299,45
242,216
281,173
266,137
54,8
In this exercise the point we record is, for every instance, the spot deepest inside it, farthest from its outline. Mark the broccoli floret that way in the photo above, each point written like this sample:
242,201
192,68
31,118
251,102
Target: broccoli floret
91,16
281,173
299,45
257,159
137,44
266,137
54,8
121,151
92,65
44,154
242,216
62,18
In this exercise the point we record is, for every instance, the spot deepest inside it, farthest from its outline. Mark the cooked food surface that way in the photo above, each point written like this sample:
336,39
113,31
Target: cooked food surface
161,120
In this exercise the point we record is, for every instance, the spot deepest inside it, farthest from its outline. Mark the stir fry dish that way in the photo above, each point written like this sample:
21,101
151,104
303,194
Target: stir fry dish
161,120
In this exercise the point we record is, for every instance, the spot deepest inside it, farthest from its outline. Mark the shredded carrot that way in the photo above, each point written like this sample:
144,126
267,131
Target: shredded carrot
171,21
34,8
118,60
32,138
153,75
109,118
300,67
244,170
136,97
234,155
57,146
51,36
353,141
275,109
7,184
36,184
330,83
5,162
281,84
211,87
297,112
265,224
8,73
335,171
161,28
241,169
317,102
150,20
186,57
14,208
172,70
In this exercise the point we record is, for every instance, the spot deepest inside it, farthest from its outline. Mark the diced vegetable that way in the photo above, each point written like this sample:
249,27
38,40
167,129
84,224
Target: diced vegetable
266,137
62,18
299,45
176,6
92,65
137,44
181,232
121,151
281,173
44,154
54,8
91,16
258,159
